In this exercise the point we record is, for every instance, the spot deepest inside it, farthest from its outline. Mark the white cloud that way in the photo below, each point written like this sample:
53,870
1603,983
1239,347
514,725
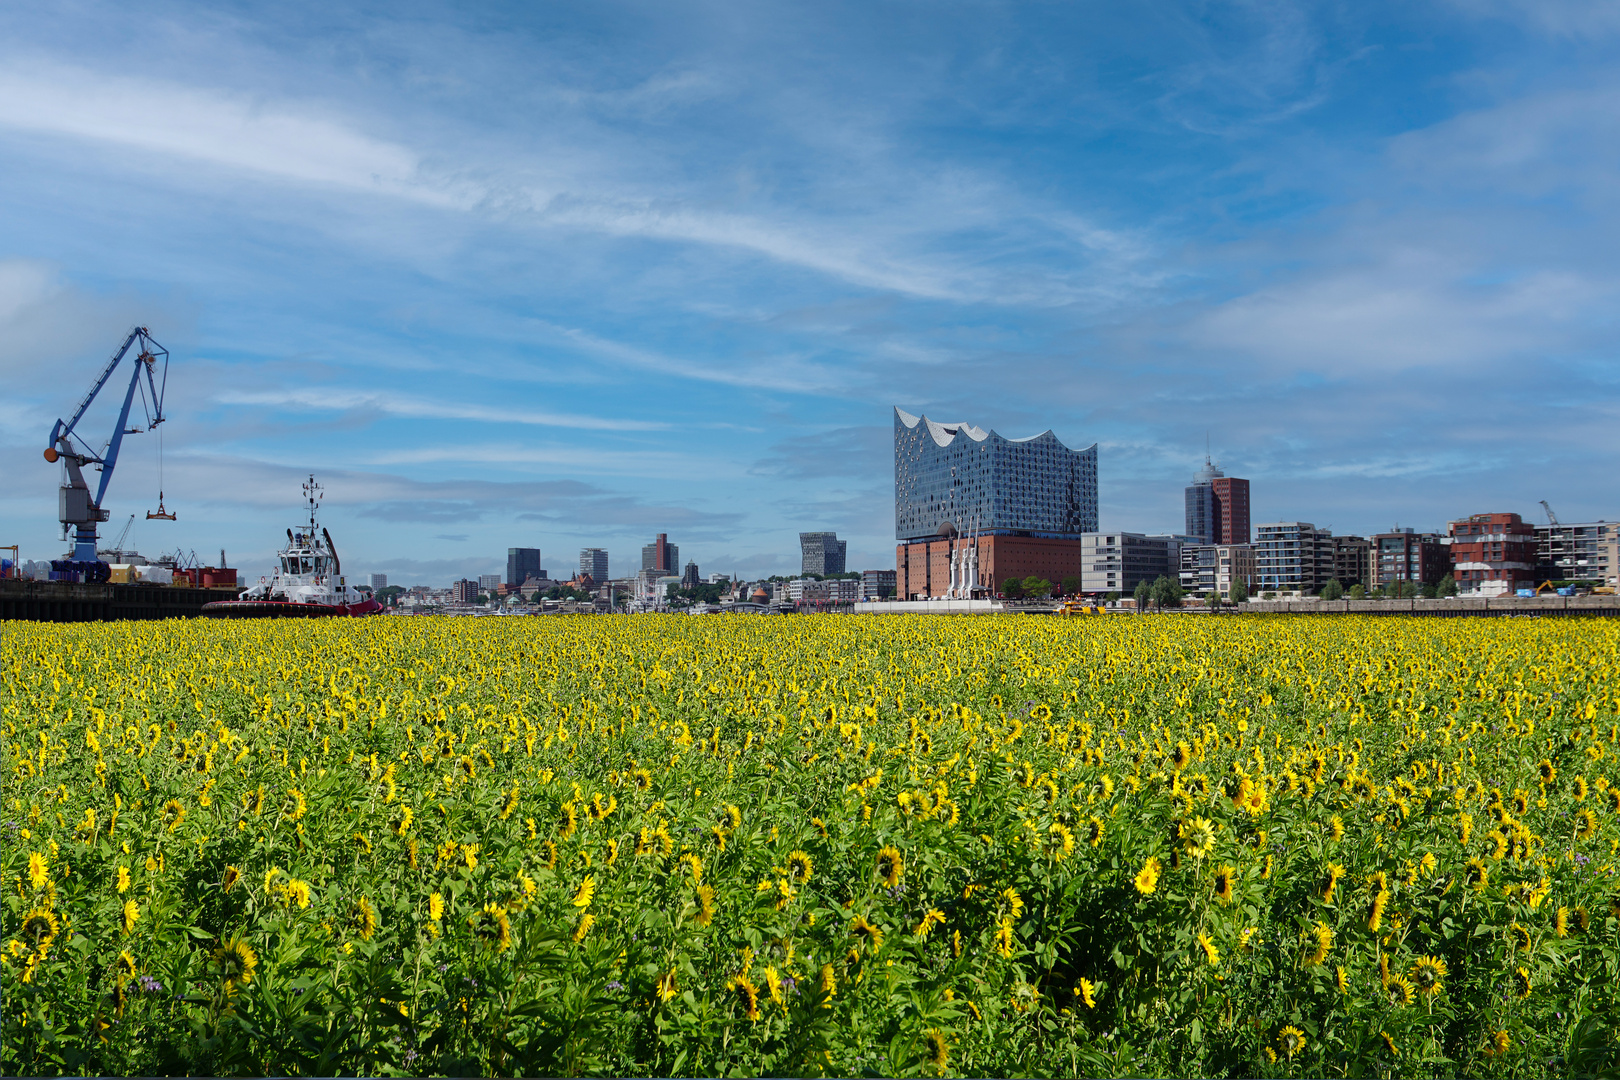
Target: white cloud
221,127
324,399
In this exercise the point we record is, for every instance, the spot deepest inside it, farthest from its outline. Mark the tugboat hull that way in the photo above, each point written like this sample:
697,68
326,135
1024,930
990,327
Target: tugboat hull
282,609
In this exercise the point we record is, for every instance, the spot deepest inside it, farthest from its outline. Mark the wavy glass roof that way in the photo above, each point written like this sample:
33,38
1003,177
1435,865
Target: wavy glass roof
961,475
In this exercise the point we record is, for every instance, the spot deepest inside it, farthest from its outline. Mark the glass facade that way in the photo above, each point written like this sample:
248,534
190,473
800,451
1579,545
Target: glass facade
967,478
594,561
522,564
822,553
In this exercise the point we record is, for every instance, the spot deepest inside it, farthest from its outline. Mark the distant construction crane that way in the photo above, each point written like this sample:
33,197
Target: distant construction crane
1552,518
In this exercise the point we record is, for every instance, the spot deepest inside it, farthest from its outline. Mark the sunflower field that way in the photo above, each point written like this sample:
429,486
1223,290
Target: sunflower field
862,845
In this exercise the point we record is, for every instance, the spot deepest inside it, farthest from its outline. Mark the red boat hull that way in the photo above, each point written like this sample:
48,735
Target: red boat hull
282,609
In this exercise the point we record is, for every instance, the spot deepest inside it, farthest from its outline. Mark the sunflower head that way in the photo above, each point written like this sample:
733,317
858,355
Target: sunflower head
799,867
1291,1039
1094,831
492,927
40,926
126,965
1547,770
1401,990
705,897
889,866
745,994
130,912
1198,835
868,932
364,918
1521,981
38,874
235,961
936,1049
231,876
1147,878
1427,973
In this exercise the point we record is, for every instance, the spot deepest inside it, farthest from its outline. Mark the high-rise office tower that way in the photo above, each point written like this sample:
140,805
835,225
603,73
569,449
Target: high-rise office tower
594,561
660,555
1217,507
522,564
822,553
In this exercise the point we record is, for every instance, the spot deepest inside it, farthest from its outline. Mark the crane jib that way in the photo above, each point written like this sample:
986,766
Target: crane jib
77,507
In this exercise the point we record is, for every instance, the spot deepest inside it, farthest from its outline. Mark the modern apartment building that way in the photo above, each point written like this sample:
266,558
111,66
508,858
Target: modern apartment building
1209,568
978,508
1118,561
1493,554
875,582
522,564
1576,552
594,561
1352,560
822,553
464,591
1217,507
809,590
1408,555
660,555
379,582
1292,556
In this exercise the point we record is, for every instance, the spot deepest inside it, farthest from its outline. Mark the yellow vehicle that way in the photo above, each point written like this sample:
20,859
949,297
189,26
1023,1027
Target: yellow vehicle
1074,606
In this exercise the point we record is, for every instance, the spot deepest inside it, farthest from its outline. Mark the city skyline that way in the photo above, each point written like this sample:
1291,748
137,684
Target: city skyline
573,277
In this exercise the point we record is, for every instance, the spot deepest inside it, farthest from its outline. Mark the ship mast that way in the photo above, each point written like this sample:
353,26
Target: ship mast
312,492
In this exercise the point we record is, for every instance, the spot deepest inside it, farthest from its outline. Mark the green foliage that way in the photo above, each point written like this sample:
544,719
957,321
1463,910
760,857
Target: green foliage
1026,773
1333,590
1036,588
1072,586
1358,591
1012,588
1447,587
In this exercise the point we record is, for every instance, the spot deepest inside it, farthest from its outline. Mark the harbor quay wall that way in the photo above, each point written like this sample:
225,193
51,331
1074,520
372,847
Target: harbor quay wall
57,601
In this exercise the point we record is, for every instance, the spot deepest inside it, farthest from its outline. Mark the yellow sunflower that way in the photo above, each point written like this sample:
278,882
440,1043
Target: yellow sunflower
126,917
705,895
492,927
938,1050
1428,973
38,873
235,960
1199,837
799,867
40,927
746,995
889,866
1147,878
1292,1040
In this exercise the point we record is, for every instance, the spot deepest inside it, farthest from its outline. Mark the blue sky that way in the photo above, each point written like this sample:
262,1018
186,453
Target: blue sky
567,276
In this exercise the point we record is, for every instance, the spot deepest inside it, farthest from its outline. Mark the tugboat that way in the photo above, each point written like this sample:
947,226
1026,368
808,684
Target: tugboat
308,582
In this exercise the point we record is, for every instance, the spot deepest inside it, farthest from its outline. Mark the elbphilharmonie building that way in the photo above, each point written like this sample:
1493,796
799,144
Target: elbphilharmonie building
976,481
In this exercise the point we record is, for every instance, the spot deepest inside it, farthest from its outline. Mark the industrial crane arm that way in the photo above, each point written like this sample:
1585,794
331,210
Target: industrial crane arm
77,507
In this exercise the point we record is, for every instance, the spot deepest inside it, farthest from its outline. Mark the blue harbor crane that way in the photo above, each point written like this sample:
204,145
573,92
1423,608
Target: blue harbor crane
77,507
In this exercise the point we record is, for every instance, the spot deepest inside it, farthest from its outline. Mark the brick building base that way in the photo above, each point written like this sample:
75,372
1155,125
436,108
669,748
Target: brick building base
923,567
